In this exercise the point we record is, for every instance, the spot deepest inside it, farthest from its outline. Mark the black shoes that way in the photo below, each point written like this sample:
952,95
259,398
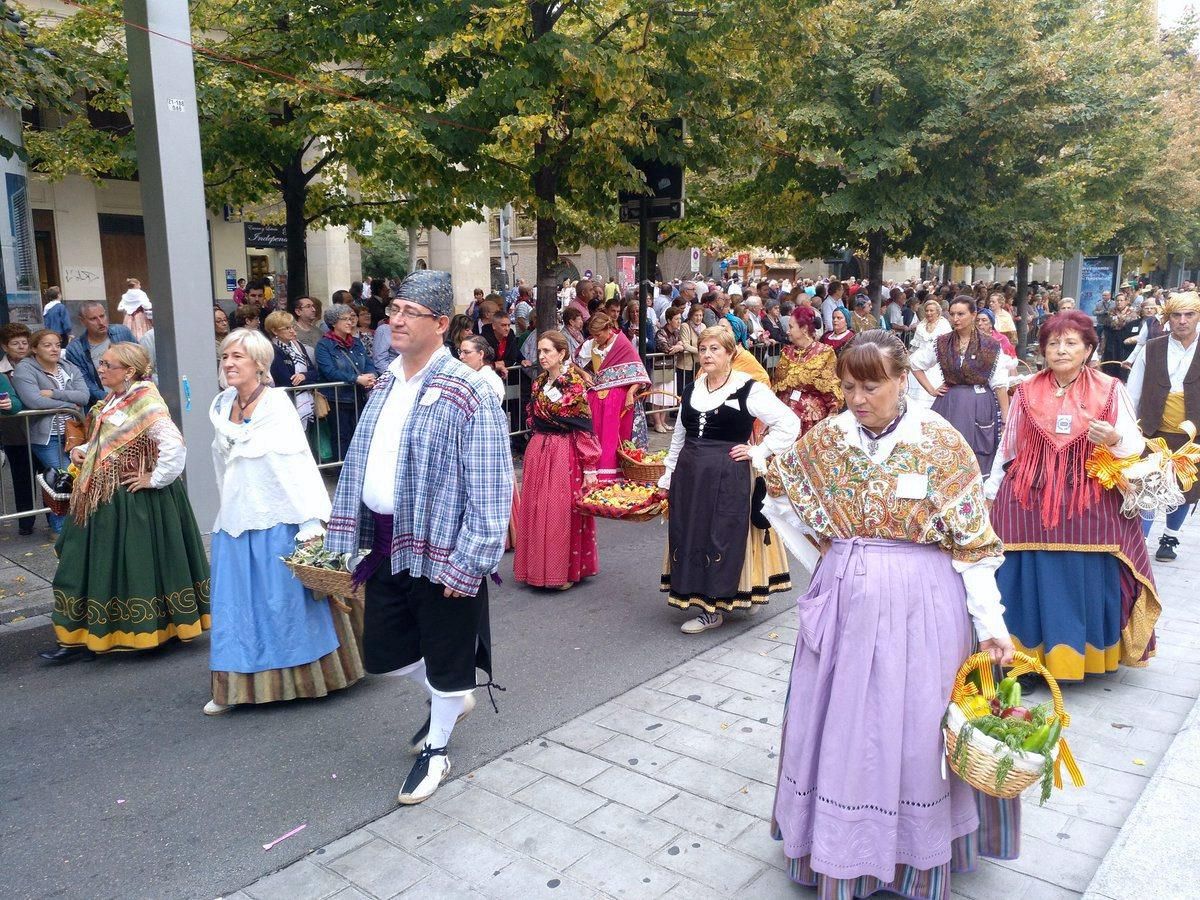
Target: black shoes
1166,548
63,655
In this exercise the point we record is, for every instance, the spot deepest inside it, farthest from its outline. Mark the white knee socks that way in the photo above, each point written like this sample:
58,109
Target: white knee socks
443,714
416,672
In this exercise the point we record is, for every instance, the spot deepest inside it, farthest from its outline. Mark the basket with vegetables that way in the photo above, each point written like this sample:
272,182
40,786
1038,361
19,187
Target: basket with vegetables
624,500
995,742
321,571
641,465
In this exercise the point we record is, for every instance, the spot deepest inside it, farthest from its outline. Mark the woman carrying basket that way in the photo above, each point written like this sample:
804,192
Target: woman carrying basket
884,503
271,639
715,560
556,546
618,378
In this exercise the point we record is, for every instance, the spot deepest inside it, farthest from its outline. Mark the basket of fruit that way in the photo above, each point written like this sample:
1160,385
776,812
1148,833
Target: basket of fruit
998,745
641,465
624,500
321,571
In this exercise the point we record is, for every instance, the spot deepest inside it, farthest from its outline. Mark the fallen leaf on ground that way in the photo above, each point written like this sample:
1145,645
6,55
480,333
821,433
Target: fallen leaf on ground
1139,762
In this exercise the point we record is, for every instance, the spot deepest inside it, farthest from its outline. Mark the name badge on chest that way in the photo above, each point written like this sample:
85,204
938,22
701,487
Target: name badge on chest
117,419
980,389
431,396
553,394
912,486
795,396
1062,425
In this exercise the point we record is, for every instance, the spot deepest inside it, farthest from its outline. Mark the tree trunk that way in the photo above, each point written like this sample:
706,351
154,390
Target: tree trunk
876,247
293,186
1024,307
545,186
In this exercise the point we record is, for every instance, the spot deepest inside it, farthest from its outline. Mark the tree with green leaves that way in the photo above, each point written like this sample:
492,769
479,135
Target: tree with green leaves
556,100
885,116
385,252
303,107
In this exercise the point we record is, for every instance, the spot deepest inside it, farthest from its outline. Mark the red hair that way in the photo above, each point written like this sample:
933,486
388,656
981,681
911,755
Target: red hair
806,317
1068,320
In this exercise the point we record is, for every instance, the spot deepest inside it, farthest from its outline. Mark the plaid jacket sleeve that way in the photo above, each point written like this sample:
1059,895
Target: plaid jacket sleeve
488,479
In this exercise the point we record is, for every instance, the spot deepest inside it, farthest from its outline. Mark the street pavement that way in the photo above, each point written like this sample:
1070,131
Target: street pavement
113,784
628,760
666,790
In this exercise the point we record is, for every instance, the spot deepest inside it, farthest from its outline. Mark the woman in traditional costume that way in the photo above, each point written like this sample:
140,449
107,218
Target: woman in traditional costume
925,334
556,546
617,377
806,374
132,572
1076,578
271,638
884,504
716,560
1120,336
974,393
476,352
839,337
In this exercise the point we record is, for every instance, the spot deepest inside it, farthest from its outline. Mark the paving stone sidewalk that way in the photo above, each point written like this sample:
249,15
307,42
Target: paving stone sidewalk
666,791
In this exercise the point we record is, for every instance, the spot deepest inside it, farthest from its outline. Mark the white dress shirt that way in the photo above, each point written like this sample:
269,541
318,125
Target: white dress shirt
379,481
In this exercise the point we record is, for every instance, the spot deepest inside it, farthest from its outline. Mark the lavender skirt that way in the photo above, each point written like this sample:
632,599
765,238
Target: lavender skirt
975,415
862,804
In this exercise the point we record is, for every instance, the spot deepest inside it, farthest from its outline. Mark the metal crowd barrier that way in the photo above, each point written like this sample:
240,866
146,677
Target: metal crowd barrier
330,431
518,384
29,461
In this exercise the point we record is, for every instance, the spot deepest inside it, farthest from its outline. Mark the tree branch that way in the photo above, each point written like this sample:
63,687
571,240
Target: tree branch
319,164
358,204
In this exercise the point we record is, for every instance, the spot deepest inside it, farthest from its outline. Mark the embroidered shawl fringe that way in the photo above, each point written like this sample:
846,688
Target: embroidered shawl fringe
138,456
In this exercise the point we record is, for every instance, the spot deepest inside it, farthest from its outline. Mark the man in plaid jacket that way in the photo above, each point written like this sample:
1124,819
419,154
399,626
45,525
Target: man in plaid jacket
426,489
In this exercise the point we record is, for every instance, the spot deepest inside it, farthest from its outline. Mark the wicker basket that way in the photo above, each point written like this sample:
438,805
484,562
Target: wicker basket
655,507
984,753
644,473
57,502
326,582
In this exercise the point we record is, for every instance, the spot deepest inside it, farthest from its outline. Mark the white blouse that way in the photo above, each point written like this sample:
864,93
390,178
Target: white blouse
784,424
266,475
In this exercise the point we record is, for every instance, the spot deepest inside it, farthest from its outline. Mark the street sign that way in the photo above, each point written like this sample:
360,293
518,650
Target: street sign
695,259
660,210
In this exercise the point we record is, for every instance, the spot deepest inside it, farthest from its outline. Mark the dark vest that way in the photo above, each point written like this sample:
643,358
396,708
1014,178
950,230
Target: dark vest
1156,385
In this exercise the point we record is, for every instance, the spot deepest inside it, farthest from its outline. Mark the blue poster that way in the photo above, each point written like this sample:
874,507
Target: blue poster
1099,274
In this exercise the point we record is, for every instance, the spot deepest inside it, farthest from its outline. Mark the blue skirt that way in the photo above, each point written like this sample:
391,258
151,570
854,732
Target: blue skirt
1064,607
262,617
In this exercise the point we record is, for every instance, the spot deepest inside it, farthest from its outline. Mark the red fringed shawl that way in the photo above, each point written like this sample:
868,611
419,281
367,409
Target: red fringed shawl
1052,462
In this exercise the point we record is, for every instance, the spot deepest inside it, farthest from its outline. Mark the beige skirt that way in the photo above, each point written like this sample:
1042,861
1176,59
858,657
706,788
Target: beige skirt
764,572
332,672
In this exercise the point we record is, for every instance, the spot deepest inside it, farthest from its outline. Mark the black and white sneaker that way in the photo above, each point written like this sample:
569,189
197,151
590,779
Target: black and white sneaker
417,742
426,776
1166,548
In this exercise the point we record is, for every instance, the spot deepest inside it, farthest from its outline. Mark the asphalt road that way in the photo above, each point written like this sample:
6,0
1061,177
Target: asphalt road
202,795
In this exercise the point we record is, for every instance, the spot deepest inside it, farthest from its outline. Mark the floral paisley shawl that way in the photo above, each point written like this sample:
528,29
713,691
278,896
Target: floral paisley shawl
839,492
570,412
119,443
